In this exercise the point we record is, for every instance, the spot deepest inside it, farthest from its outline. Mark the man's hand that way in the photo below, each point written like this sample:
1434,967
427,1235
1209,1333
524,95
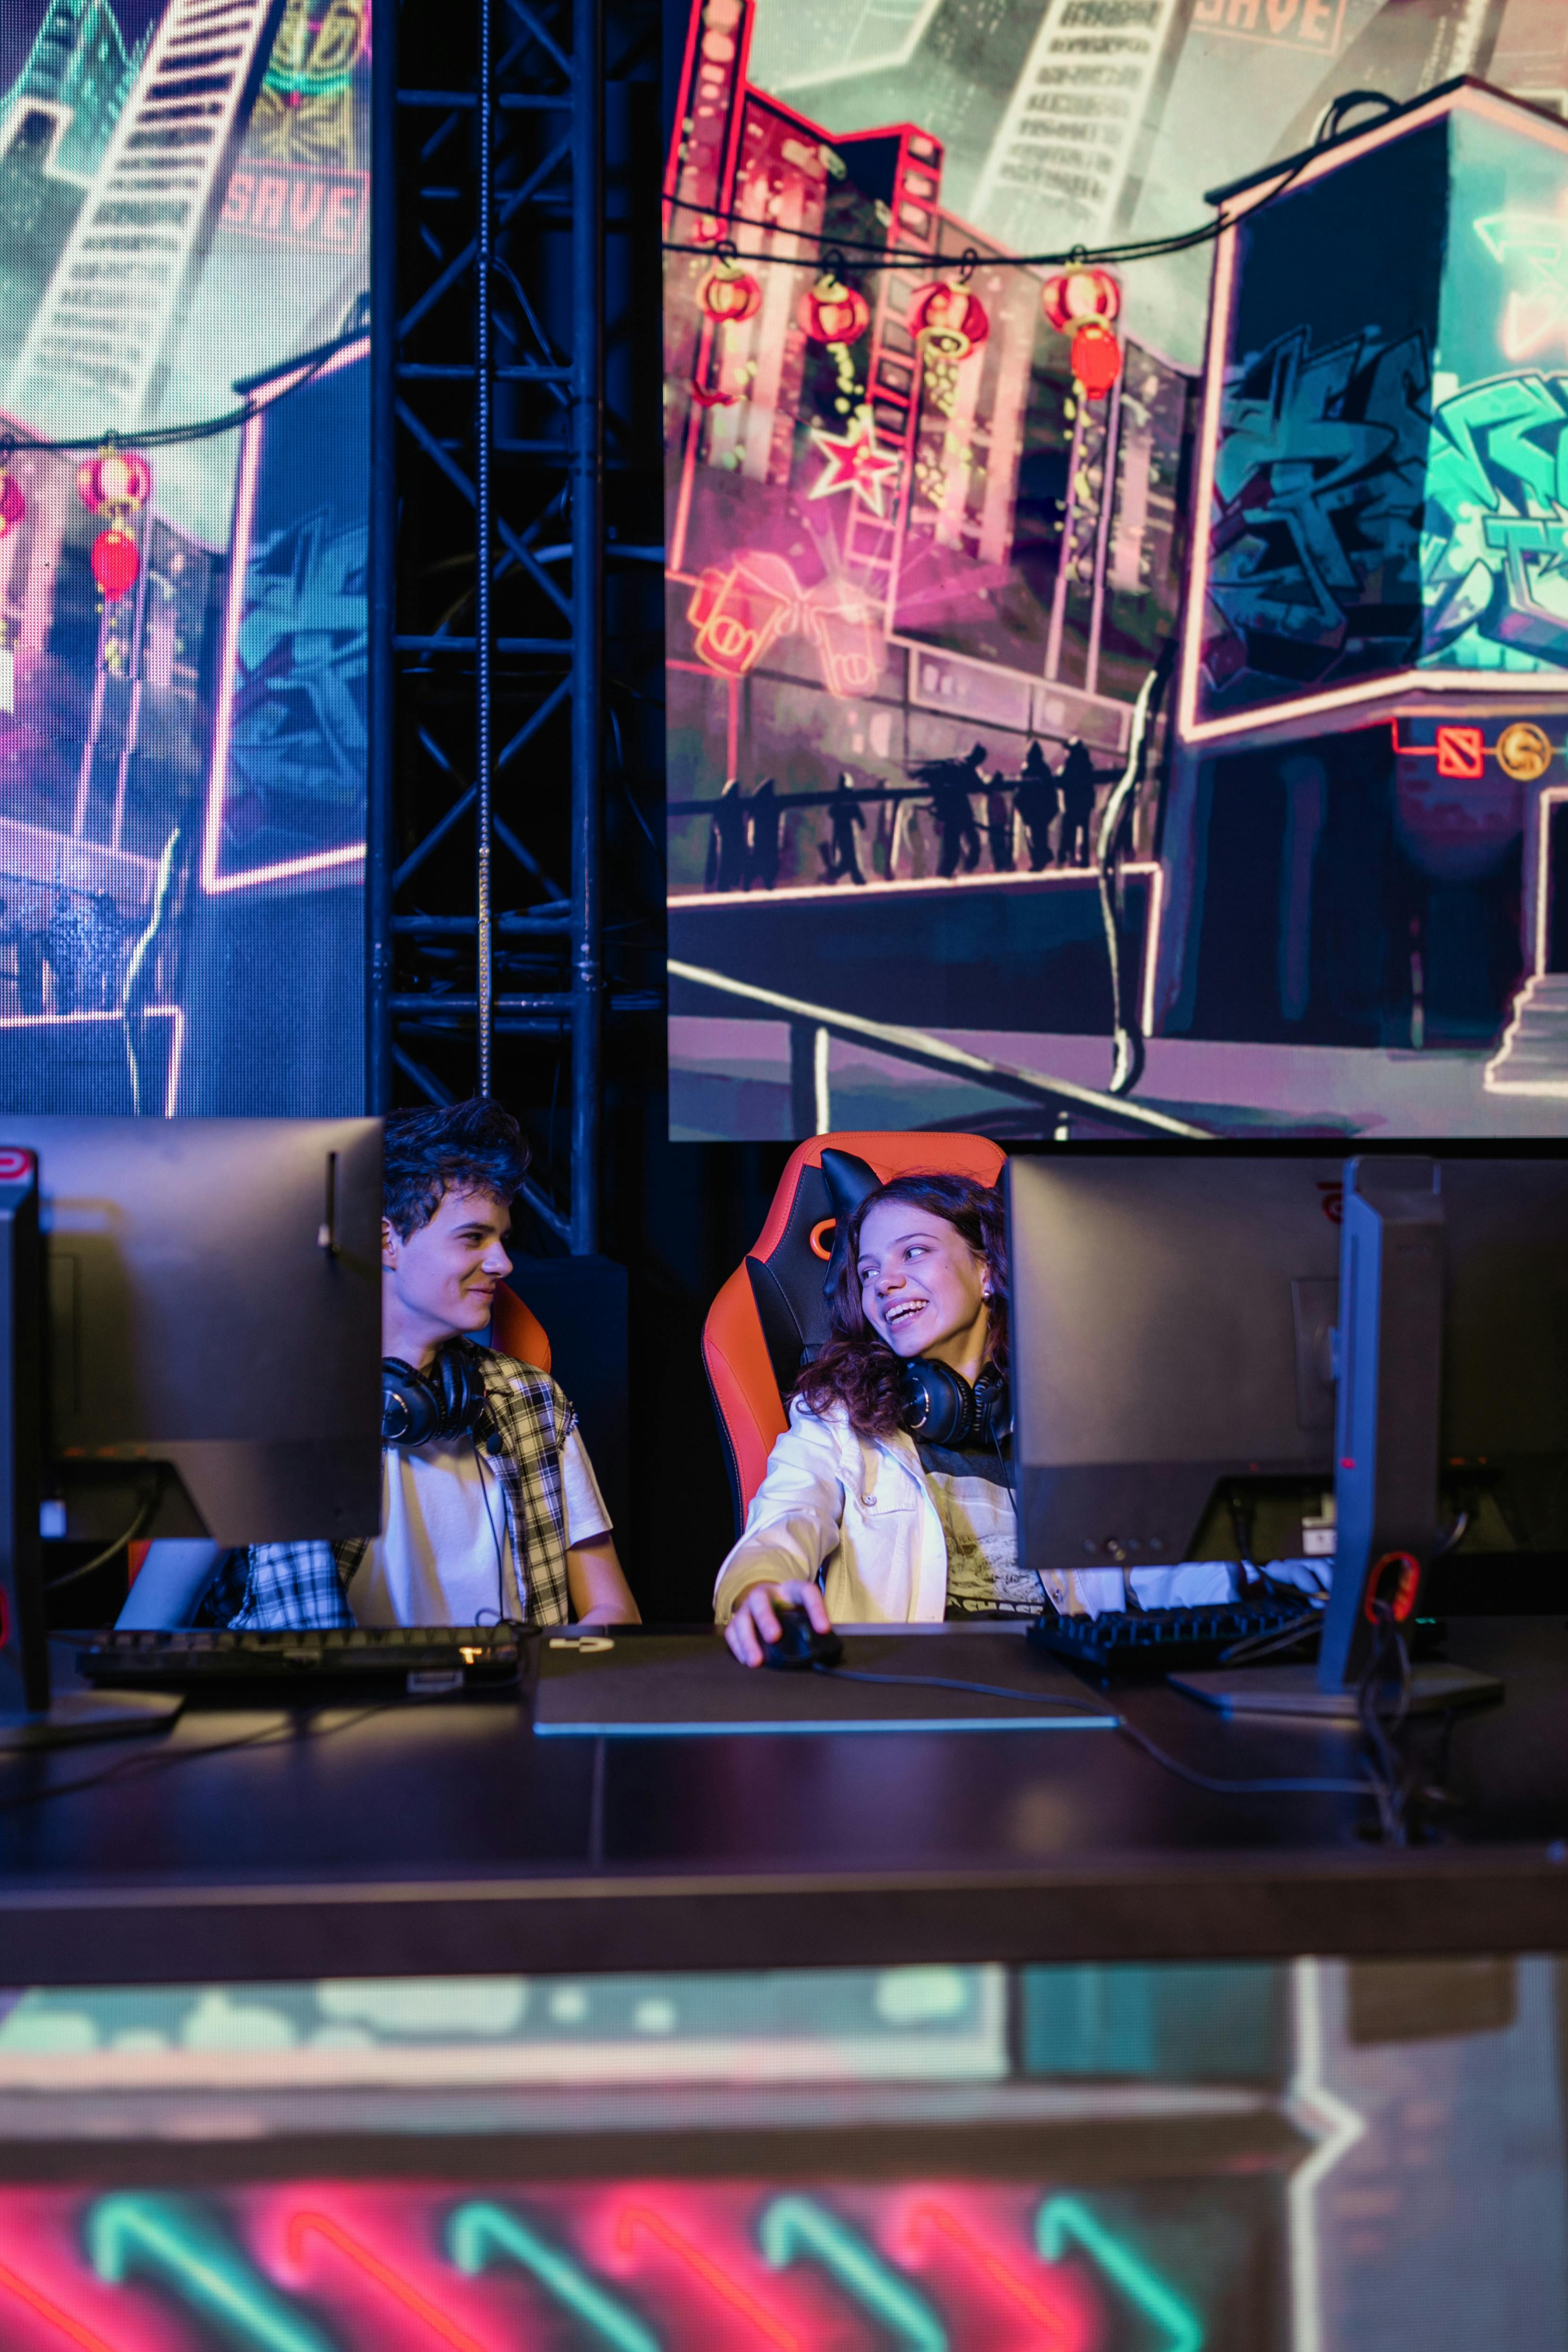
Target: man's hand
754,1621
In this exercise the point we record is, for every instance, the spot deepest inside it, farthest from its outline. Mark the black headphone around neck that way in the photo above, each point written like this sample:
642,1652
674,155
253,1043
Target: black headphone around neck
435,1406
939,1405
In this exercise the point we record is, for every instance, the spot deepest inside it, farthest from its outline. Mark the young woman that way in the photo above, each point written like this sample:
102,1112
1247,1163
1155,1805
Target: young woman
889,1498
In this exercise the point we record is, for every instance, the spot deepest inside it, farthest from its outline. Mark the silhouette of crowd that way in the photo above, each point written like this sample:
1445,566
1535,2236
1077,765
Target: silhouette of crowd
743,845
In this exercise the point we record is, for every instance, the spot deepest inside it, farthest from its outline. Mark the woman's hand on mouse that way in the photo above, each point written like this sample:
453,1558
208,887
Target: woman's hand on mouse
754,1621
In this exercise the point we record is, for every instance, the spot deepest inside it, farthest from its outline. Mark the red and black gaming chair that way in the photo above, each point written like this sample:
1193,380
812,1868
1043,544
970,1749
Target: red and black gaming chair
775,1305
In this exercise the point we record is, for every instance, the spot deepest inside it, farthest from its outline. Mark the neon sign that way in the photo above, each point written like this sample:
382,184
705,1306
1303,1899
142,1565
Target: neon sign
740,612
1461,751
797,2228
622,2267
856,463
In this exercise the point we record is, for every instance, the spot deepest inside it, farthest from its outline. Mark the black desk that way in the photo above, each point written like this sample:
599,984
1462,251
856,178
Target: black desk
444,1838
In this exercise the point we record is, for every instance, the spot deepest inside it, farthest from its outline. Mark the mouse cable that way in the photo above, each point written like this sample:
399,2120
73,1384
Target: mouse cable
1282,1787
985,1690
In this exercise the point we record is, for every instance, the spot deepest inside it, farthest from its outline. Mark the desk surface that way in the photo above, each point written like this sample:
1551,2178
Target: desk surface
444,1838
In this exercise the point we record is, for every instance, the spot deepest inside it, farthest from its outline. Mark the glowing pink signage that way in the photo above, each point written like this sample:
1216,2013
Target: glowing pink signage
217,874
738,613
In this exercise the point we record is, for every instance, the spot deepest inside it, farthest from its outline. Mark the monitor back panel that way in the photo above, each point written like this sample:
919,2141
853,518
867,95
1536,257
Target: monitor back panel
1172,1328
214,1303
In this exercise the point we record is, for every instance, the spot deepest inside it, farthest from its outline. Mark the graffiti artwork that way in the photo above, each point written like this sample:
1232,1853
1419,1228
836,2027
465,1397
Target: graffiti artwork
1115,540
182,618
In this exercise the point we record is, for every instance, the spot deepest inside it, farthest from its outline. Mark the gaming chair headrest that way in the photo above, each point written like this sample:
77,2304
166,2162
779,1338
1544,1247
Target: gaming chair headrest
792,1285
849,1182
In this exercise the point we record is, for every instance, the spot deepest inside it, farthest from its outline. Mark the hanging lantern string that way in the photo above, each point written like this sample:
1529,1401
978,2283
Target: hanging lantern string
18,442
866,257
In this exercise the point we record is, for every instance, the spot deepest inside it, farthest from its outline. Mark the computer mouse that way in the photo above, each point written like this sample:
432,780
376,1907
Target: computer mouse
799,1647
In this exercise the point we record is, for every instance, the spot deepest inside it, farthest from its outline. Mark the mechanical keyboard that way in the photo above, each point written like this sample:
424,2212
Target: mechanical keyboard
1149,1642
421,1660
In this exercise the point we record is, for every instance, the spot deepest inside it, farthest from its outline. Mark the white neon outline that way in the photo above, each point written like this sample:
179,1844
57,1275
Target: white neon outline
902,884
1151,869
1553,793
174,1012
1234,209
1155,917
1336,2126
935,1047
1550,1089
317,861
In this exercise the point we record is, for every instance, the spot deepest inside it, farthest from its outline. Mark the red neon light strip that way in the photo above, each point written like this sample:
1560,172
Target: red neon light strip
632,2218
1062,2332
46,2309
300,2224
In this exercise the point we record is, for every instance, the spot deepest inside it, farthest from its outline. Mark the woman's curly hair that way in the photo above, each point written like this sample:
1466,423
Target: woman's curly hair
855,1369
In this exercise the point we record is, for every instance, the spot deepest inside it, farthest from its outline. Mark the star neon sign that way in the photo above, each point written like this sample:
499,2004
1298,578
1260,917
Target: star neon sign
856,463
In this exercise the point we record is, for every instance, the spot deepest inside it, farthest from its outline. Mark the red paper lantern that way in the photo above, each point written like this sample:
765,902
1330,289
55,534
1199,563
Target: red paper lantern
1077,295
1096,359
13,505
116,478
949,320
730,295
833,313
115,562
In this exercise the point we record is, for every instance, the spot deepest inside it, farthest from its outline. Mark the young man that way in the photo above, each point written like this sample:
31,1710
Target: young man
503,1520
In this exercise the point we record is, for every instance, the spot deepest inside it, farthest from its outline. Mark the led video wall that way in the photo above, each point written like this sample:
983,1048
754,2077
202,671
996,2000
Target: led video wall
183,531
1191,2157
1145,669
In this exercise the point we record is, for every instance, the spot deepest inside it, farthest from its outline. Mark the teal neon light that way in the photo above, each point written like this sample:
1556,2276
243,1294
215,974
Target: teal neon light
479,2234
163,2237
793,2227
306,84
1062,2218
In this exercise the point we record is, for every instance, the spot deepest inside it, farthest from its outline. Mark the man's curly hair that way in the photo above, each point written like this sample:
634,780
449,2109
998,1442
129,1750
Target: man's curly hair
468,1147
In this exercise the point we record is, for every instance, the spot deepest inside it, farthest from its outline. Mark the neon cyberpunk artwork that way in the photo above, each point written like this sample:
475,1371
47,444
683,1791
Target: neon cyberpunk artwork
1117,473
184,523
1196,2157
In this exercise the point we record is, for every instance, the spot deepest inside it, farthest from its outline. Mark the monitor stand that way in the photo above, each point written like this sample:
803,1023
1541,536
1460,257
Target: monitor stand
1296,1691
1388,1365
29,1716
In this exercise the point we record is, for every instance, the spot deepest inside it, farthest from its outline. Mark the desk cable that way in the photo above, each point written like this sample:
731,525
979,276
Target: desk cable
126,1767
100,1559
1367,1786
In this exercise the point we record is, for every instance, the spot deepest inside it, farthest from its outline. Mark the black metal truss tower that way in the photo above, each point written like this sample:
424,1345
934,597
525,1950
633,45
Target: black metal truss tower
508,284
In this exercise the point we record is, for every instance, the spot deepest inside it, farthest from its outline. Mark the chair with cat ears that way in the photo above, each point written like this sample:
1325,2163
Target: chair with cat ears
773,1310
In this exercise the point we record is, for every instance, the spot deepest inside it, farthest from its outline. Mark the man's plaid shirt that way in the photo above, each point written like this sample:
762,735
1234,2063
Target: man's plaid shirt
290,1585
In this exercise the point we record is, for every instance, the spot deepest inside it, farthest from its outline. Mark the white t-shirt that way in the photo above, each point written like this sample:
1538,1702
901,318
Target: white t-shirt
444,1556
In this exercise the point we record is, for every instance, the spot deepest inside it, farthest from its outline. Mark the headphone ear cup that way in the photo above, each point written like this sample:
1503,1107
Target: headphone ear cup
939,1402
411,1410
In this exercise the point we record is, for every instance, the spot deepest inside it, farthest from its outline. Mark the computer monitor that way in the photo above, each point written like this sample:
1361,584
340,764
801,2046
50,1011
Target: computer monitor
196,1305
1174,1320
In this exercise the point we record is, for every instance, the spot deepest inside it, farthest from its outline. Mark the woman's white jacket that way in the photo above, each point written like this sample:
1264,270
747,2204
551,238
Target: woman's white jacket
855,1512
